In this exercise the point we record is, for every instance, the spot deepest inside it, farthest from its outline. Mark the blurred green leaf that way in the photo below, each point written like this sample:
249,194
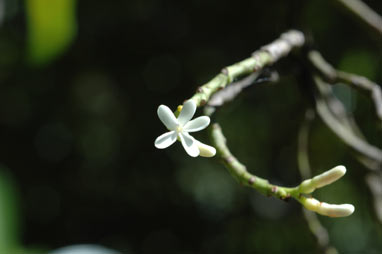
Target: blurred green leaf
51,28
8,213
361,62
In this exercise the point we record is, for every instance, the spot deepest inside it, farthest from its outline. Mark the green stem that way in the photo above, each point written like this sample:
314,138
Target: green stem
240,173
267,55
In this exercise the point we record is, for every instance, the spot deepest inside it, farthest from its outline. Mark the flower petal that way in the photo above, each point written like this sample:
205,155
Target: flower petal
197,124
167,117
188,111
189,144
165,140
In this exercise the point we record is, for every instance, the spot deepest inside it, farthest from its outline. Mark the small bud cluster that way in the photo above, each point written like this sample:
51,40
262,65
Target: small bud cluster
326,178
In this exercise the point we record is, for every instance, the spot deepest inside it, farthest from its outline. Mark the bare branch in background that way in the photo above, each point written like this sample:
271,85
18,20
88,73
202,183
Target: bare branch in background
314,224
372,155
364,14
2,11
331,75
374,181
303,145
230,92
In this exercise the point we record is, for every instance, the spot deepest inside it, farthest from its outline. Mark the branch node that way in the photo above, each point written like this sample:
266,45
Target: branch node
224,71
251,180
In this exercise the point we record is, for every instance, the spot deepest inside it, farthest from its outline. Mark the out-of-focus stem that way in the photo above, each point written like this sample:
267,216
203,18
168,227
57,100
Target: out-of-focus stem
364,14
333,76
358,144
314,224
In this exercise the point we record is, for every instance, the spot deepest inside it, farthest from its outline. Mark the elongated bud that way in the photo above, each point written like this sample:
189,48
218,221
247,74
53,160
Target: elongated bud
326,209
328,177
206,150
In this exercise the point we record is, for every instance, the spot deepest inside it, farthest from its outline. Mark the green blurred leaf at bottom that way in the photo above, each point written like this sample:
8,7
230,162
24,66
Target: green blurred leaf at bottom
9,213
51,29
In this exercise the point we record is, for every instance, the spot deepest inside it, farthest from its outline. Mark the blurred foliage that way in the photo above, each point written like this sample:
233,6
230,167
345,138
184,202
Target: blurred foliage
77,134
51,28
9,213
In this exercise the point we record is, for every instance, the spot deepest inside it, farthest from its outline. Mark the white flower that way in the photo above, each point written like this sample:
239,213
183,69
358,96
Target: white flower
180,127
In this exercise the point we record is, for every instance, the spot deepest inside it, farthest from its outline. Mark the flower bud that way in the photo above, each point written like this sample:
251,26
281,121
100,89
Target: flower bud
206,150
328,177
326,209
331,210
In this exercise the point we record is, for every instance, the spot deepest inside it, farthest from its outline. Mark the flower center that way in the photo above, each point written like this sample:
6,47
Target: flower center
179,129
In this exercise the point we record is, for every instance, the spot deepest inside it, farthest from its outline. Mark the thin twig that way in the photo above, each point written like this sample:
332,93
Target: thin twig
267,55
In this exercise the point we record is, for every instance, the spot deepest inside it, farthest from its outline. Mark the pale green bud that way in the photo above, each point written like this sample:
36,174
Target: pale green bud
331,210
326,178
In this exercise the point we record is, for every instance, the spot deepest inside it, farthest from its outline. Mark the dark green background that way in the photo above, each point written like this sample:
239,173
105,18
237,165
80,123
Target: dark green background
77,134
